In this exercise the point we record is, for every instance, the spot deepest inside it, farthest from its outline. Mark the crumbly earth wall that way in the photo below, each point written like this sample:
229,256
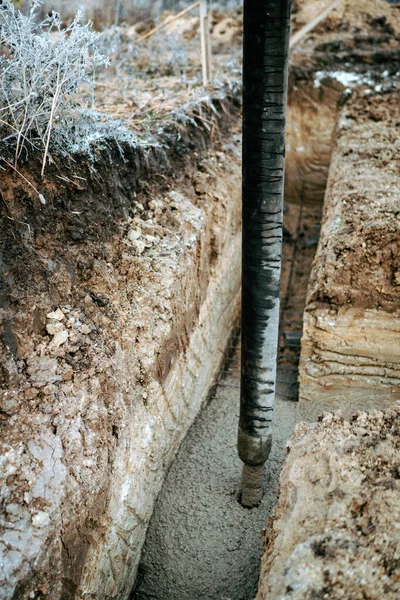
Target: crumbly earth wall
312,116
350,348
335,532
116,312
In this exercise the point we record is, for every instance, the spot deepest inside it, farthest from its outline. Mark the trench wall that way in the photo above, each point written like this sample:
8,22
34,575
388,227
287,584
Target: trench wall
350,347
105,363
312,117
332,533
206,305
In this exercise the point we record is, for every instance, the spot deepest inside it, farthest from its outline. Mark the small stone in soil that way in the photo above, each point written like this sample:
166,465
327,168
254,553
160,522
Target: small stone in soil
57,315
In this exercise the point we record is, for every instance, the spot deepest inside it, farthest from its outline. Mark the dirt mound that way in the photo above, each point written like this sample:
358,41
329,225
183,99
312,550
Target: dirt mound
360,36
350,15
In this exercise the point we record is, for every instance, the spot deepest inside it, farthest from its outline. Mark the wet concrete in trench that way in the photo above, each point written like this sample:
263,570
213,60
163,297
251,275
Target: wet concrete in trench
201,544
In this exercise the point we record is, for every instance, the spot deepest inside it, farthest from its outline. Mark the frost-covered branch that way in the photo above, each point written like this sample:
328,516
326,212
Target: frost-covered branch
43,69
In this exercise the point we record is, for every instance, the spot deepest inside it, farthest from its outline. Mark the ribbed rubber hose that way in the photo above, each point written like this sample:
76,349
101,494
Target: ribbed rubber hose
265,71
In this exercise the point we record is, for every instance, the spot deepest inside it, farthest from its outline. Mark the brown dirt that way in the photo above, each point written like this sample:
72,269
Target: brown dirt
93,204
82,230
361,35
348,16
335,530
358,262
301,234
349,355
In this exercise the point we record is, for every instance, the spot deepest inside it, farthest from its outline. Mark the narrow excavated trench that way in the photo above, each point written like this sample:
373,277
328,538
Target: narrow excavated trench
120,295
201,543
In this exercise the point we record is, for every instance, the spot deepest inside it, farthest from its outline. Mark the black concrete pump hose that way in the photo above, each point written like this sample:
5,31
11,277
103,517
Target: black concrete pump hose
265,74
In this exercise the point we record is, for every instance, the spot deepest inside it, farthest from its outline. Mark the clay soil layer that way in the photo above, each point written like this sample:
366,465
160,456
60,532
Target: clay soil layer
350,348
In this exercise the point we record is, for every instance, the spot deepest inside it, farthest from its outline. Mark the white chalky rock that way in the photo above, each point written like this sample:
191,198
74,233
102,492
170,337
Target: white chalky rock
60,338
139,246
154,204
134,234
41,519
151,239
57,315
54,328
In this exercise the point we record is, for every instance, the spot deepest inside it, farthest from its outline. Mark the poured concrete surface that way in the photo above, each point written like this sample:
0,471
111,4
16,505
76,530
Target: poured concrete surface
201,544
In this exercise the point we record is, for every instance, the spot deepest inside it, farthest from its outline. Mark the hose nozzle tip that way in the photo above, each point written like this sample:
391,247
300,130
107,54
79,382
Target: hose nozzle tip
252,486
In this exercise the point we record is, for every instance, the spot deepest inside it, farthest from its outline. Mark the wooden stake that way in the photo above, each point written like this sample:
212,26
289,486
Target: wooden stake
313,23
205,42
168,22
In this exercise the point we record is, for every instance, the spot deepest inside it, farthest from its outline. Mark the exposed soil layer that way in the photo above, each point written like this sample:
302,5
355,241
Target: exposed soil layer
104,290
332,534
109,297
312,116
335,532
301,232
358,261
350,356
197,534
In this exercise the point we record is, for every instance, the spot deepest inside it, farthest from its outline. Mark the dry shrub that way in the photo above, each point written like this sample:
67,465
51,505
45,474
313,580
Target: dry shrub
43,68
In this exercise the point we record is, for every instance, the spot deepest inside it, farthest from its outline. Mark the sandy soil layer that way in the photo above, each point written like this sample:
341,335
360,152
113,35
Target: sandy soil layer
350,347
335,530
